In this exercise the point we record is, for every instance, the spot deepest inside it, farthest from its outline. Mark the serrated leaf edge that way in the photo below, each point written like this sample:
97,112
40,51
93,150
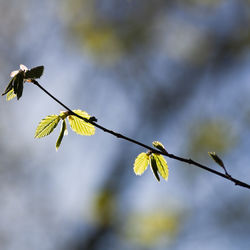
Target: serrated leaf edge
38,132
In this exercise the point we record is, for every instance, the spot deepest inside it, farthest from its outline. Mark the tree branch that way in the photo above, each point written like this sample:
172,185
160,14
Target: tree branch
118,135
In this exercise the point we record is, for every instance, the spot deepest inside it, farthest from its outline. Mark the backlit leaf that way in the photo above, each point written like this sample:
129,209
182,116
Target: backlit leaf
10,95
161,165
62,133
34,73
141,163
154,167
159,146
47,125
80,126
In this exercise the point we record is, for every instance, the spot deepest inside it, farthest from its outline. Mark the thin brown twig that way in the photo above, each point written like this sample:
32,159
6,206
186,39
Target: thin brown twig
118,135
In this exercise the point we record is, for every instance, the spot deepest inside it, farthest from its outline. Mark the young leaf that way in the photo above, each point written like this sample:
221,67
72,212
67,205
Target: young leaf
141,163
18,84
153,166
62,133
10,95
34,73
217,159
159,146
162,166
47,125
78,125
9,87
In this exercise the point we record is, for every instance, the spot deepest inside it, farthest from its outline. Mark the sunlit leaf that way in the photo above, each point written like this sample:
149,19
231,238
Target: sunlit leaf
10,95
159,146
62,133
80,126
141,163
34,73
154,167
161,165
217,159
47,125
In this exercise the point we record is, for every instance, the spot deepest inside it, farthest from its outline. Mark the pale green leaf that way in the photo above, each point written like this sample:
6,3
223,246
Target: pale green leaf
10,95
47,125
162,165
159,146
141,163
154,167
80,126
62,133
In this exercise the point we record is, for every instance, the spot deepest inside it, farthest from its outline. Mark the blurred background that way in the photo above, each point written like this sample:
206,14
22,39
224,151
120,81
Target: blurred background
173,71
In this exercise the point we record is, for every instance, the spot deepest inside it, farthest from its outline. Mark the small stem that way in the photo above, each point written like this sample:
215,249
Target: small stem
172,156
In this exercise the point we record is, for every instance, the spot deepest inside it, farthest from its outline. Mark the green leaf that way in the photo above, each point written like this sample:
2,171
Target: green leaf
34,73
64,114
9,86
141,163
217,159
154,167
62,133
18,84
159,146
47,125
10,95
162,165
80,126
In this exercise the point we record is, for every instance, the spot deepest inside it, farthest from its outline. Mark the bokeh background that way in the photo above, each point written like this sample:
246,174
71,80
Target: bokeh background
173,71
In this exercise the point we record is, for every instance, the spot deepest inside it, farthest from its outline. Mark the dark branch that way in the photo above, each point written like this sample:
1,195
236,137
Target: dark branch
172,156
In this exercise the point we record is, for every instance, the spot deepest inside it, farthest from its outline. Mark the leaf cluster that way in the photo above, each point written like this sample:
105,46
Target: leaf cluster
15,86
50,122
156,161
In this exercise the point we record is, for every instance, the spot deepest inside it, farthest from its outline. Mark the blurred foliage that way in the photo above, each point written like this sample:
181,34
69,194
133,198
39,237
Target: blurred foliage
151,228
110,29
104,207
205,3
211,135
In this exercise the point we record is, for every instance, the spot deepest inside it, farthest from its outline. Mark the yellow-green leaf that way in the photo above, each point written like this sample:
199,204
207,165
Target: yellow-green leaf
162,165
10,95
80,126
154,167
47,125
141,163
159,146
62,133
